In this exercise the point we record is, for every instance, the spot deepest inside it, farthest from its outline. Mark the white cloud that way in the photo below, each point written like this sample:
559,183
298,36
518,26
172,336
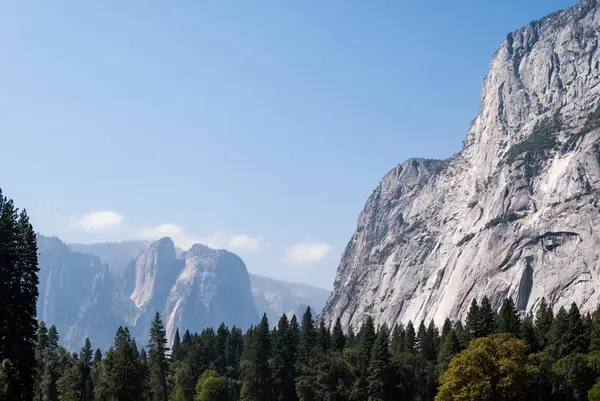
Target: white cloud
100,220
306,252
236,243
164,230
239,242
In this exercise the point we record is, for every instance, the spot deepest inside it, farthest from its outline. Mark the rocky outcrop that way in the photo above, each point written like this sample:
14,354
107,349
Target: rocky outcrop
192,290
515,213
212,288
78,295
276,298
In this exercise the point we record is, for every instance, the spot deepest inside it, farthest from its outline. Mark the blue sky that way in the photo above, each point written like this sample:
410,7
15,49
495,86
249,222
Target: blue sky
261,127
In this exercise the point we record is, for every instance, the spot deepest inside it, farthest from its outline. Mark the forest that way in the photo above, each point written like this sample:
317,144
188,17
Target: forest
492,355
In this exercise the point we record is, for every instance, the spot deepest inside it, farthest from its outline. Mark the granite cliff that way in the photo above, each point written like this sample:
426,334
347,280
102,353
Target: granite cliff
84,296
514,213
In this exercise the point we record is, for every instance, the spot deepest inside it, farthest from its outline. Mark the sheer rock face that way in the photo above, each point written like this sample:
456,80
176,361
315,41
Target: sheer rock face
192,290
214,287
76,293
515,213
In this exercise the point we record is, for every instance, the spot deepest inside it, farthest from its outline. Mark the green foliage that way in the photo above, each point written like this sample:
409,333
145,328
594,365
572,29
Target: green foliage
491,368
256,372
592,122
594,393
410,339
307,363
542,138
481,320
18,298
508,318
211,387
543,323
338,339
283,361
123,369
294,362
158,362
508,218
465,239
379,373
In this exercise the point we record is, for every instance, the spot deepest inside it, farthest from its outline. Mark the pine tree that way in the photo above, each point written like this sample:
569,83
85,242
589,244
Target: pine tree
508,319
527,333
306,380
397,343
323,337
429,346
233,351
595,331
410,338
473,322
42,343
176,348
85,360
366,339
379,373
18,298
27,276
577,333
487,317
558,335
461,334
220,365
350,338
53,337
282,363
543,323
69,383
338,339
446,328
450,347
256,372
123,370
186,341
10,293
158,362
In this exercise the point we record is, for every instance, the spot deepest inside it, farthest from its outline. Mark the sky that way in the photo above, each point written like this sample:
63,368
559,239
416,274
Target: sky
260,127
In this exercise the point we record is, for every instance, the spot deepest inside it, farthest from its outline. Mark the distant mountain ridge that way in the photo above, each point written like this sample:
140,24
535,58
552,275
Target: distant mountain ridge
115,254
275,297
84,296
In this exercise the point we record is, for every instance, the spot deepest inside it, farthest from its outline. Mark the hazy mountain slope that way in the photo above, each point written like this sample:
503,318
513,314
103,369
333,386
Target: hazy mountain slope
78,295
515,213
116,255
275,297
193,290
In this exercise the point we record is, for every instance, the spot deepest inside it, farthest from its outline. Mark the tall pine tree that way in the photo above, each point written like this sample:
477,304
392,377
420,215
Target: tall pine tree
256,372
158,363
306,375
508,320
282,363
18,298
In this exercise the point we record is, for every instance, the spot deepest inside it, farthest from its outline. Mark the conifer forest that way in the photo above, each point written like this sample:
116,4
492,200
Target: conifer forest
492,355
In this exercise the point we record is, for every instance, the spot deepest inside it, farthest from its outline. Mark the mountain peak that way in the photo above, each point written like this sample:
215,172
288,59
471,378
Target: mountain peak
512,213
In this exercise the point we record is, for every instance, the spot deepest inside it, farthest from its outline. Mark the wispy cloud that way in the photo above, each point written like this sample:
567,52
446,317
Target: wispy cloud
100,220
306,252
238,242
